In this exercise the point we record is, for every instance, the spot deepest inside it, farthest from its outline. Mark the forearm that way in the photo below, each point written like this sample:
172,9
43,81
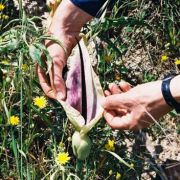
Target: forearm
69,17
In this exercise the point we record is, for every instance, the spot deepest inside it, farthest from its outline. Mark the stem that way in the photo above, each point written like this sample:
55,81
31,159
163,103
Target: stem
79,167
21,112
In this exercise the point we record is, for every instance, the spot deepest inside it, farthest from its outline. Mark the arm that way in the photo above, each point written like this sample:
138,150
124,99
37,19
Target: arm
67,22
140,106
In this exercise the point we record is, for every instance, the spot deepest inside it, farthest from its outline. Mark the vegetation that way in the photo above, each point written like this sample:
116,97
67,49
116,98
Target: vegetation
136,41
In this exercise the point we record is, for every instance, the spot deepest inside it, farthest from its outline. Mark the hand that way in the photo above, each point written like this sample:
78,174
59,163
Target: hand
66,25
135,108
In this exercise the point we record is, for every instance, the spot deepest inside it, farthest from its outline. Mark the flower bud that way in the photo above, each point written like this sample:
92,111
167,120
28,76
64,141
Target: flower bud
81,145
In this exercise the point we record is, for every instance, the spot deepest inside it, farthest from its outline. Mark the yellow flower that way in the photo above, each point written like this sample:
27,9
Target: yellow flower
110,172
14,120
63,158
108,58
2,6
118,176
117,77
41,102
164,58
5,17
177,62
110,145
5,62
69,139
132,165
24,67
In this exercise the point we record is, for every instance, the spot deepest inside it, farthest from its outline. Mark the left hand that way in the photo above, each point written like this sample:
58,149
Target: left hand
134,108
67,22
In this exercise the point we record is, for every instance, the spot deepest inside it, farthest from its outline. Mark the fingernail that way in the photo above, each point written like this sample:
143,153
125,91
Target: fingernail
60,96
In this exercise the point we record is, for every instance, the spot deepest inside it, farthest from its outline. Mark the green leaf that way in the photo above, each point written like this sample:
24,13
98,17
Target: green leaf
48,57
35,54
120,159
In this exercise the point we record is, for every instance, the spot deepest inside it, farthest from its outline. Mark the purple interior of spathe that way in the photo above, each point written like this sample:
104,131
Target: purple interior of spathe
74,86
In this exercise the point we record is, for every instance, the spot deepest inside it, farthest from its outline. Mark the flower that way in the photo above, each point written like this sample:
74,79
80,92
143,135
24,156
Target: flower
118,176
2,6
132,165
14,120
24,67
108,58
164,58
110,172
5,62
41,102
110,145
177,62
117,77
5,17
63,158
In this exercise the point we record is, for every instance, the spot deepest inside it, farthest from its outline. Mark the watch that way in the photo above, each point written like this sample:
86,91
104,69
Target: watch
165,88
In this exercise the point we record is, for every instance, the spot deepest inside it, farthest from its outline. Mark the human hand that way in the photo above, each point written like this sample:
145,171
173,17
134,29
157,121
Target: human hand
135,108
66,24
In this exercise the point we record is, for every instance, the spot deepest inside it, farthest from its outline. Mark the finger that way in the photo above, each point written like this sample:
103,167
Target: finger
117,122
44,84
107,93
113,102
58,82
114,88
125,86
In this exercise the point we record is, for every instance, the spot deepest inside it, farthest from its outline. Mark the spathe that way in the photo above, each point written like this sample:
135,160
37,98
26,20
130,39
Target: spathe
84,91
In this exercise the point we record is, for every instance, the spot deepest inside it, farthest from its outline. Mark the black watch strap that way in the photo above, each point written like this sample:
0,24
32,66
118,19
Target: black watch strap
167,94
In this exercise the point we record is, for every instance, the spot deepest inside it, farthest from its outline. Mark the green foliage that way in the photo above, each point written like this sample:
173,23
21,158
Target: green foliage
29,150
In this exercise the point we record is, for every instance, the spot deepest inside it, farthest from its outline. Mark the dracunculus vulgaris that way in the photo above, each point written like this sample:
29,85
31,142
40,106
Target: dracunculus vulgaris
84,94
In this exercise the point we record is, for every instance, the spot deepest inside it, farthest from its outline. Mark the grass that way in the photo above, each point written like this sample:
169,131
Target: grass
29,150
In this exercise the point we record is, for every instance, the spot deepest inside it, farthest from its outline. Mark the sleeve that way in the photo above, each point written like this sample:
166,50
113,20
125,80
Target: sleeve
92,7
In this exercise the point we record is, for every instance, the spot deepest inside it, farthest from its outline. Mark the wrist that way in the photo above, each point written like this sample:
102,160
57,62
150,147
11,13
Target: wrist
153,99
175,88
69,18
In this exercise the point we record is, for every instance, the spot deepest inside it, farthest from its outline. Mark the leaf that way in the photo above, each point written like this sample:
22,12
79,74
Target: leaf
35,54
22,153
120,159
48,57
9,45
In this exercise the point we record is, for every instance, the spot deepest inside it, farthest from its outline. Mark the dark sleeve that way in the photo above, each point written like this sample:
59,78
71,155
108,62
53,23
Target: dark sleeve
92,7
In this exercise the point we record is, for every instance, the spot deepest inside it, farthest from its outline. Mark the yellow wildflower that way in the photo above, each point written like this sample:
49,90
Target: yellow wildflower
132,165
164,58
63,158
118,176
110,145
117,77
24,67
5,62
108,58
69,139
110,172
5,17
177,62
14,120
41,102
2,6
